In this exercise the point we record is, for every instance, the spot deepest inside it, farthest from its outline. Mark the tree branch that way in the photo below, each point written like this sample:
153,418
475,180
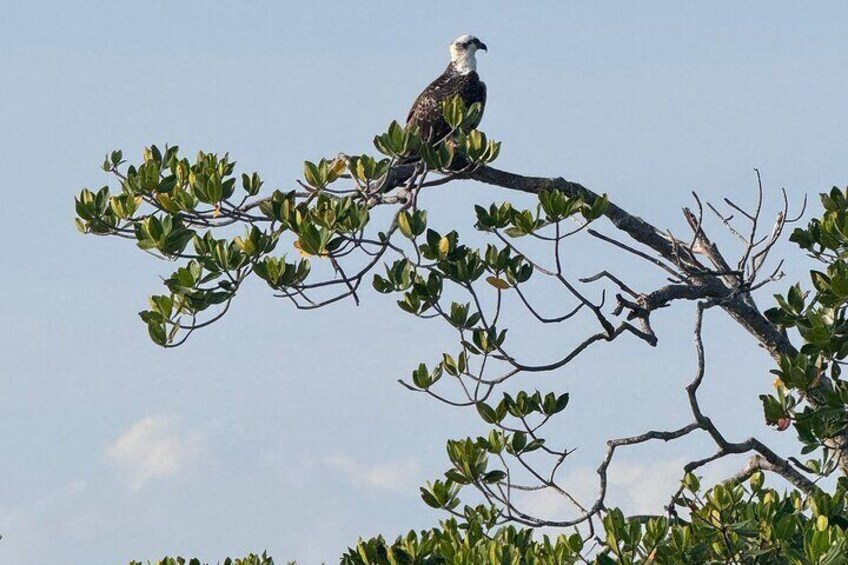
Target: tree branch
743,310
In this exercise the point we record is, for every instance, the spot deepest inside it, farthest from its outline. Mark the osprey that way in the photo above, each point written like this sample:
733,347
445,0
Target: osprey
460,78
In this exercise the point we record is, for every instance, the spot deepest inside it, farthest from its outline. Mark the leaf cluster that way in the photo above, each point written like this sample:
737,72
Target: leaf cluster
742,523
811,395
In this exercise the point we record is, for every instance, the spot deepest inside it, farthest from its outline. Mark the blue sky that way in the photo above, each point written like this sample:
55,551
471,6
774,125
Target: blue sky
286,430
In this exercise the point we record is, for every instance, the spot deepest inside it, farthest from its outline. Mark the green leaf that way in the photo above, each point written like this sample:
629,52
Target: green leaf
691,482
519,442
312,239
157,333
495,476
487,413
453,110
312,175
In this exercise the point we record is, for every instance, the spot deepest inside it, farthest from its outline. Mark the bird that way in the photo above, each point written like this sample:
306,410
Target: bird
460,78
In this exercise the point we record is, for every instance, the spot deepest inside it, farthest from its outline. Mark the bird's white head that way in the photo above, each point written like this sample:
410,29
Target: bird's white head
463,50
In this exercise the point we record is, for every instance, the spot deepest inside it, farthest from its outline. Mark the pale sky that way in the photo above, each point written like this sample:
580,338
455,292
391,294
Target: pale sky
286,430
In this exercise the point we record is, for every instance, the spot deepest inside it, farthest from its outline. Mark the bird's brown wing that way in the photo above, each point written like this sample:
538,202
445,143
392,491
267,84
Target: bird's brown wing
426,113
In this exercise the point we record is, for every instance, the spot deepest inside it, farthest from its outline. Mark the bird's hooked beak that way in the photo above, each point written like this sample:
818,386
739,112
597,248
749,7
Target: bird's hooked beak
480,45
